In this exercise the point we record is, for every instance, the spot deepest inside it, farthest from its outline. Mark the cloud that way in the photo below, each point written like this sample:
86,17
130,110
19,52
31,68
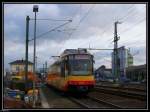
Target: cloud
13,51
96,30
20,10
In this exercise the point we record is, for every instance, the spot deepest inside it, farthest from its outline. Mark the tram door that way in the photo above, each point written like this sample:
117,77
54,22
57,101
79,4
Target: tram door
62,69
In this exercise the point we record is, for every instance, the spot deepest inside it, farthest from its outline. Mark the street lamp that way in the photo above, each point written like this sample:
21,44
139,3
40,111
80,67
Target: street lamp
35,9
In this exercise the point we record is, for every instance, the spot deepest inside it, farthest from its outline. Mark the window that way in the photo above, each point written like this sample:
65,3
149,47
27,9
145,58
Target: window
17,68
63,69
80,67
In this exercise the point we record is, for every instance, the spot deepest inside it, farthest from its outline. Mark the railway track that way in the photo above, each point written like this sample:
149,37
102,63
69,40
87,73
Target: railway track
125,87
91,102
96,100
120,101
126,92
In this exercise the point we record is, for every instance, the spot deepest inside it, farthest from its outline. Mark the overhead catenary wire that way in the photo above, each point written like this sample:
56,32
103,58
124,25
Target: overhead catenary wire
129,11
133,25
65,30
127,29
72,18
39,36
133,43
131,15
130,27
80,21
49,19
124,19
86,13
127,40
101,33
76,12
74,15
107,26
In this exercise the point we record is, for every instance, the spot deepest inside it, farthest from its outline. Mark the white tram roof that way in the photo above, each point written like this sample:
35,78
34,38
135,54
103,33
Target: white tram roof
71,51
74,51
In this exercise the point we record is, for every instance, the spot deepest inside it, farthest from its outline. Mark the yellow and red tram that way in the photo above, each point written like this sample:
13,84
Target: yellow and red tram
73,71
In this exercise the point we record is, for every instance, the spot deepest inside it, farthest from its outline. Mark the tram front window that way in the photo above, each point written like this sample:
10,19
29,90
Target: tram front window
81,67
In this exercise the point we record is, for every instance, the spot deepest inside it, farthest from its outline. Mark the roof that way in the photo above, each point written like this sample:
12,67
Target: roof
20,62
74,51
136,67
103,68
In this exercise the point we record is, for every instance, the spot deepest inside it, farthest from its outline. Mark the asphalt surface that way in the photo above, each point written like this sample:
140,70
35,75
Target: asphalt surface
53,99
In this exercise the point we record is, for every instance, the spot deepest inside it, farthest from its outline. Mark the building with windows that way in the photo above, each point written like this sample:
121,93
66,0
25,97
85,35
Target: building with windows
137,73
19,66
125,59
103,74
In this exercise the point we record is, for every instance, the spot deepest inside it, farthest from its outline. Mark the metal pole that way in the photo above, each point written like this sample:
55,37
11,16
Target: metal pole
116,53
34,61
46,67
43,69
26,54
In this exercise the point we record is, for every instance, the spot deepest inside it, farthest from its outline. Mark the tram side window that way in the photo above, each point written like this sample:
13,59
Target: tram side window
62,69
66,68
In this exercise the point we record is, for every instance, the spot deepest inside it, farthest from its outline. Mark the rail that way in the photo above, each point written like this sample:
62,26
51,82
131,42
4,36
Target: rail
121,92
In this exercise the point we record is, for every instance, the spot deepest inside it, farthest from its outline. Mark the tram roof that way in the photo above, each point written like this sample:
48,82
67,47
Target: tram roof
74,51
71,51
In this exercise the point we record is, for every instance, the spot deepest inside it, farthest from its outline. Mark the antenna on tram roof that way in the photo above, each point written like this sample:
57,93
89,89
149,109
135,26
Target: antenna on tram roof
55,56
82,49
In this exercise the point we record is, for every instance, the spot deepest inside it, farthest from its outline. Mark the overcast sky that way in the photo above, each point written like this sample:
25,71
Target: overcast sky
92,25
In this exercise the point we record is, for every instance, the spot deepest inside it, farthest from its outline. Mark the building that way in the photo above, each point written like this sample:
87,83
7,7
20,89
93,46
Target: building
125,60
19,65
136,73
103,74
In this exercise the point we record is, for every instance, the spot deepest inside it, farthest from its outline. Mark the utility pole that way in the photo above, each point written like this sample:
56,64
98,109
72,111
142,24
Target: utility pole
46,67
35,9
116,38
26,53
36,63
43,69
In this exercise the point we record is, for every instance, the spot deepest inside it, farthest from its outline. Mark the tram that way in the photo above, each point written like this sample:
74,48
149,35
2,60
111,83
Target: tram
72,72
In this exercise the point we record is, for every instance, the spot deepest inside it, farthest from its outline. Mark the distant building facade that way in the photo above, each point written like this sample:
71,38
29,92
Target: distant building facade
19,65
103,73
137,73
125,60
